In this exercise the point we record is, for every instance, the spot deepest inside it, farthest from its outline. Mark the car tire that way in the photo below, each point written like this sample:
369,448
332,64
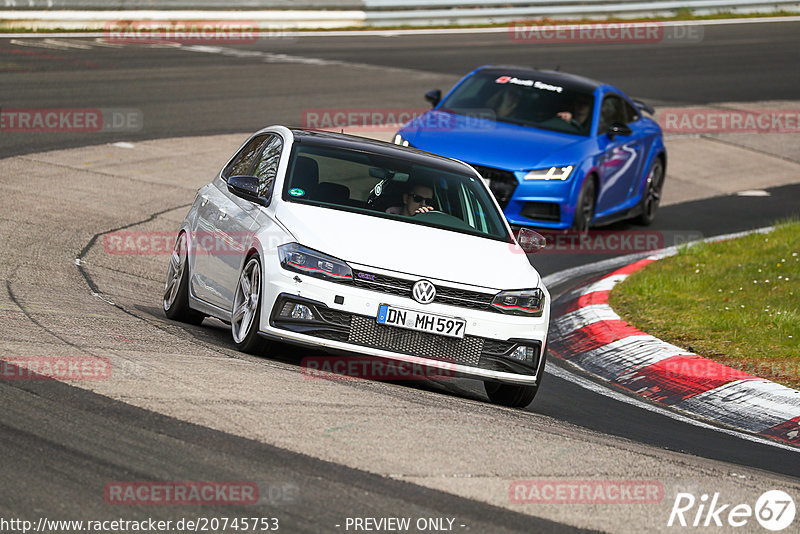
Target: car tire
246,310
511,395
584,207
175,301
652,194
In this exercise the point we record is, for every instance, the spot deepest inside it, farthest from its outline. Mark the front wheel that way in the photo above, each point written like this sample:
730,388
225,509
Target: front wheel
652,194
246,312
584,208
511,395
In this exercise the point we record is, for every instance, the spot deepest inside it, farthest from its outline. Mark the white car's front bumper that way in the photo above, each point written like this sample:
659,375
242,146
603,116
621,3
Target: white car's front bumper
352,327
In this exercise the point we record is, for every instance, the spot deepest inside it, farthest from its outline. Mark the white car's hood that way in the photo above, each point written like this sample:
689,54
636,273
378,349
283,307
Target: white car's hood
409,248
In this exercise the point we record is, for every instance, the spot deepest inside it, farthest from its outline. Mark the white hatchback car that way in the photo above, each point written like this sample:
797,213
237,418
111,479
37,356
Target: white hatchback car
351,245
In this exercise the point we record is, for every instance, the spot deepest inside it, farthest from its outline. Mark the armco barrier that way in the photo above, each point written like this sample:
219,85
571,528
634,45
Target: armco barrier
76,14
158,5
388,12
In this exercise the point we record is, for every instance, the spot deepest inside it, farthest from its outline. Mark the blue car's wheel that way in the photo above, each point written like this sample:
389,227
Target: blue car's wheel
652,194
584,208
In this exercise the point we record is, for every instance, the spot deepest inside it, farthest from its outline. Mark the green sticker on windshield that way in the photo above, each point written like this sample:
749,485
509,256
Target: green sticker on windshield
297,192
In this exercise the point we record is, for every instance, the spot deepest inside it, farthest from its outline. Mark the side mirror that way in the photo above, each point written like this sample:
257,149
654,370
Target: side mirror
246,187
644,107
618,128
529,240
433,96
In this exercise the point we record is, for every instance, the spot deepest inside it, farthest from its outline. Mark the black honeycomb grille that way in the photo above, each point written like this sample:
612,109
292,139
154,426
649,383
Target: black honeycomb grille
368,333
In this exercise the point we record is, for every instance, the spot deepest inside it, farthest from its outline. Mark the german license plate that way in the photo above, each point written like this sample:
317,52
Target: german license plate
421,321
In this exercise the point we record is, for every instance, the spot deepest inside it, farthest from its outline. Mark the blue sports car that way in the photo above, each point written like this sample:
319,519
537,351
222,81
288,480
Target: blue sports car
557,150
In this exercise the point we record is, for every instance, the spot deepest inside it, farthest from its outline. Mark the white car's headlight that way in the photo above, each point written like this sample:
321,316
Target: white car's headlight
528,302
297,258
399,140
551,173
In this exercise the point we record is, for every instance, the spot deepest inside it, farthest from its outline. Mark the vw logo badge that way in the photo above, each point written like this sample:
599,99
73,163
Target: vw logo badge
423,292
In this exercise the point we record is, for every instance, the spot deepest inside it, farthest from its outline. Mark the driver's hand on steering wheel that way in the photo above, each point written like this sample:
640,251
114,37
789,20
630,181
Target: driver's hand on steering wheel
423,209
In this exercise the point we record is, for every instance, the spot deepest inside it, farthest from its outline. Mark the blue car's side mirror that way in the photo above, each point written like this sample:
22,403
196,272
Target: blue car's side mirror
433,96
618,128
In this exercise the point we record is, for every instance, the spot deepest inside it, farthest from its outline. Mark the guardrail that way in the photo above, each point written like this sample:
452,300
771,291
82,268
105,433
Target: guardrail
171,5
386,12
365,13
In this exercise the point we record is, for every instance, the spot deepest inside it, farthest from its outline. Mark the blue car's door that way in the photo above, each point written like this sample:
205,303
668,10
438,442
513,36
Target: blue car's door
622,156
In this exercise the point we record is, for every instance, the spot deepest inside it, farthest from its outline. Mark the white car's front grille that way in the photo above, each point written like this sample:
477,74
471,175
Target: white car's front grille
366,332
444,294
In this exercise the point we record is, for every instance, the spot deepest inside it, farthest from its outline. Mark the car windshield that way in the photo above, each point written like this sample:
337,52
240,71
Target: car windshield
388,187
523,101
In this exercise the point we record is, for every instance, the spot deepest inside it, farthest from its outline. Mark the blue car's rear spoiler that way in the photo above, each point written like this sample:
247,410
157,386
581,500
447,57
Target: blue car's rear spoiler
644,107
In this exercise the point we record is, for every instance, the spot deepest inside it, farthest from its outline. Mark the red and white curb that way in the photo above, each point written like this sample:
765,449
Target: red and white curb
591,336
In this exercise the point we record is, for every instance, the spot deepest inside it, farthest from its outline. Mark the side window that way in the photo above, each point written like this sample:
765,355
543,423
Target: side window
612,110
631,112
241,164
267,167
477,216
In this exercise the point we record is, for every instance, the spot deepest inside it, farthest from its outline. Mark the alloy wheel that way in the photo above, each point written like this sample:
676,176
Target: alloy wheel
246,300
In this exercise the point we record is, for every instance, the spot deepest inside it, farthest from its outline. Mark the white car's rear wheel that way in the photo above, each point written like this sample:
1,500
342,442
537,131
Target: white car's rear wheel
246,312
176,290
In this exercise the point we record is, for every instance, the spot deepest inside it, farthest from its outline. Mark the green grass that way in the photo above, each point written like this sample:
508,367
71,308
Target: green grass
736,302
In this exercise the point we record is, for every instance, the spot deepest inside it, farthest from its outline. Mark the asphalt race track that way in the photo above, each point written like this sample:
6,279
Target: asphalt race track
182,404
182,92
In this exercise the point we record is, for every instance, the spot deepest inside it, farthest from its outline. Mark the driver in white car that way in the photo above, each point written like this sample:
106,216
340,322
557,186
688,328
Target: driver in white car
419,199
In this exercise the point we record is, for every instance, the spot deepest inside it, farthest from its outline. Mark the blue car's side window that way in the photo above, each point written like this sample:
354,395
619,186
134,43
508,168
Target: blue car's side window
612,110
631,114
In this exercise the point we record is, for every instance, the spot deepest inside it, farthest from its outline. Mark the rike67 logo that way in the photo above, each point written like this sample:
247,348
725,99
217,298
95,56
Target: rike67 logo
774,510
